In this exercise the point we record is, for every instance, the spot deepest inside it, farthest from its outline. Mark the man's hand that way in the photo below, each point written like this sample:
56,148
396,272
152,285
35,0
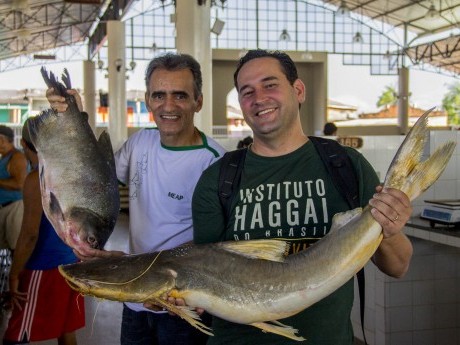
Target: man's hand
59,104
93,254
173,301
15,298
391,208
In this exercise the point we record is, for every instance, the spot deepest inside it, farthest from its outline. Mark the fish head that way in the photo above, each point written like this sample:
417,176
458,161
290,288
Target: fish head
84,230
127,278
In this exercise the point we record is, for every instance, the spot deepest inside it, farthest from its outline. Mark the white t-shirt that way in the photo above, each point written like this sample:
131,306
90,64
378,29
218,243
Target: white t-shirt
161,182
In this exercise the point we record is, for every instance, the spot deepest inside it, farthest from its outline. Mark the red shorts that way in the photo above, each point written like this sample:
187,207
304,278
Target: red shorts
52,308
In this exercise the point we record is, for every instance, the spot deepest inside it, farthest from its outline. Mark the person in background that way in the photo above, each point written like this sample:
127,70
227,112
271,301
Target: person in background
161,167
330,129
287,177
43,304
13,171
244,142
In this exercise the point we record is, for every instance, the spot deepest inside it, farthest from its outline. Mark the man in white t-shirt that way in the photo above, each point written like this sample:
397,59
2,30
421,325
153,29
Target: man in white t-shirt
161,166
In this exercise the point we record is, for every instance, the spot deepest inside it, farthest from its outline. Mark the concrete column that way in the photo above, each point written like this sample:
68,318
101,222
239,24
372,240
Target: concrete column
117,83
403,100
193,36
89,91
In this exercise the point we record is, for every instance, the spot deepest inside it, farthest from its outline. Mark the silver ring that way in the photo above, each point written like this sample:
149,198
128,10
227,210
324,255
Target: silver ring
396,218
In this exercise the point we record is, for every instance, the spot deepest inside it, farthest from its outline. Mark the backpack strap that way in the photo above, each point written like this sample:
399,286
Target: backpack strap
230,178
340,167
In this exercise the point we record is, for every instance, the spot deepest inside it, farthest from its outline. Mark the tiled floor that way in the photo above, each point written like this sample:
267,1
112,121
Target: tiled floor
103,318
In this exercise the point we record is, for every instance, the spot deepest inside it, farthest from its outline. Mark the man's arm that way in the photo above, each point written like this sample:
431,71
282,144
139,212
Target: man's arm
391,208
27,237
17,167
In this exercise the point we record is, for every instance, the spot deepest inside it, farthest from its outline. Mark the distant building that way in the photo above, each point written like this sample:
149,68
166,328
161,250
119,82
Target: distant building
337,111
392,112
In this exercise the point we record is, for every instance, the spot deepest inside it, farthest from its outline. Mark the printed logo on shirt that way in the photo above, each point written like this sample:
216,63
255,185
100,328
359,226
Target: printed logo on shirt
289,209
136,180
175,196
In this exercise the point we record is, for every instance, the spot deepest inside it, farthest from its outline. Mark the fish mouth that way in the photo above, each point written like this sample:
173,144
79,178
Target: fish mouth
75,284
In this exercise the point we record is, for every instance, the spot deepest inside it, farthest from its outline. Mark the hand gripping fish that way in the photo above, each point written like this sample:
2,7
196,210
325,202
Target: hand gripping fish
78,181
234,280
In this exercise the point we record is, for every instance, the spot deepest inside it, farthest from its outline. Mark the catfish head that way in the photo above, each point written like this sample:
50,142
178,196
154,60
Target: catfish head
129,278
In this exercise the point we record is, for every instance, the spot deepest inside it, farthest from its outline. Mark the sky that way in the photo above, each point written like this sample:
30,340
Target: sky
352,85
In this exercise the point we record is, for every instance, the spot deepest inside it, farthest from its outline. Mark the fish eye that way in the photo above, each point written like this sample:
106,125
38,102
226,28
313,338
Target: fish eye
92,241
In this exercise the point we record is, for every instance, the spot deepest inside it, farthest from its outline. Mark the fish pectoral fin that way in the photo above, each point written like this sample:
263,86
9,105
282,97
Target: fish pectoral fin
187,313
340,219
273,250
278,328
105,146
55,207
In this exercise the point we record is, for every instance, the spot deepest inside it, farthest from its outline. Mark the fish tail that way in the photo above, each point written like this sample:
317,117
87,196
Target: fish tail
52,81
66,79
407,171
428,171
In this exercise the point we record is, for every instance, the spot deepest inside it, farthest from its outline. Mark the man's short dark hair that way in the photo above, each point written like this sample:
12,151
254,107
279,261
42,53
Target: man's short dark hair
7,132
287,65
330,129
176,62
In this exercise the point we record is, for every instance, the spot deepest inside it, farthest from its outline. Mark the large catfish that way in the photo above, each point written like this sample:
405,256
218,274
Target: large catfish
78,181
251,282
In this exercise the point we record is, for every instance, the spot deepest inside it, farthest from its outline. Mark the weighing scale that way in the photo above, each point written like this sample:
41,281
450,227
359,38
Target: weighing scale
445,212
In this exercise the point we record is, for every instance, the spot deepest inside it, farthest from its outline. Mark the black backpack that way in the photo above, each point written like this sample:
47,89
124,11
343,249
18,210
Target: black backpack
338,165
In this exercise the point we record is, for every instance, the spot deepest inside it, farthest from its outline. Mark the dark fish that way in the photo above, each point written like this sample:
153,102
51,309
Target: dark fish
77,173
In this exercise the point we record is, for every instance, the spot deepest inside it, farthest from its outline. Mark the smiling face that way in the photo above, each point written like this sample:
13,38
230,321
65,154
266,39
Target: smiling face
172,100
270,104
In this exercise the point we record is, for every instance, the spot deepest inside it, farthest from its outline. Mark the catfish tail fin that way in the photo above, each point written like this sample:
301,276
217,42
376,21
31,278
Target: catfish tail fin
407,171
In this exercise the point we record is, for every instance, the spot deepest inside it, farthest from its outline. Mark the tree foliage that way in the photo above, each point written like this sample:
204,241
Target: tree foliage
388,97
451,104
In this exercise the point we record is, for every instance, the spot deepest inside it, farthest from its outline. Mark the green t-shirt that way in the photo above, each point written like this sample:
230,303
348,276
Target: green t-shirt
291,197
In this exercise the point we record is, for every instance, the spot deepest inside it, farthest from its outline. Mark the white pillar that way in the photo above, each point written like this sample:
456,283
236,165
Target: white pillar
403,100
89,92
193,36
117,83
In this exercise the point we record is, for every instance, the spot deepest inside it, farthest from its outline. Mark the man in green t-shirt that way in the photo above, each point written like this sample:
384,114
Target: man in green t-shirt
286,192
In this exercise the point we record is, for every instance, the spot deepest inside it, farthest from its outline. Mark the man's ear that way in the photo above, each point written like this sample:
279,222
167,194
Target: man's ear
199,103
147,99
299,87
